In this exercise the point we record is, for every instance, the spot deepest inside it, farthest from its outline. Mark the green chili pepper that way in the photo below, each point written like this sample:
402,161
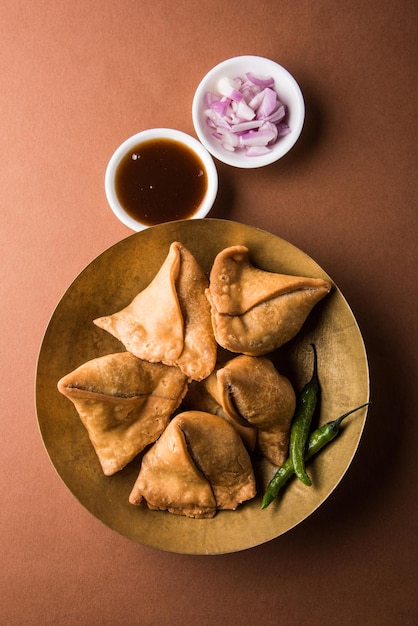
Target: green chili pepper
301,423
318,439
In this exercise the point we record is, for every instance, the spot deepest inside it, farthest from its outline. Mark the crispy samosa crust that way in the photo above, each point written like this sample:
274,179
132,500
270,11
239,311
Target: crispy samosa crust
169,321
254,311
199,465
252,395
124,403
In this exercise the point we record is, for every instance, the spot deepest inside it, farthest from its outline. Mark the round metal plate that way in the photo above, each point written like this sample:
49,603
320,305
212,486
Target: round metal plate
109,283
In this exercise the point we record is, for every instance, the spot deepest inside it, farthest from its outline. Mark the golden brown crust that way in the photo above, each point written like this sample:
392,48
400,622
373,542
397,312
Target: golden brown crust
124,403
169,321
198,466
265,398
198,357
253,396
169,480
151,326
254,311
212,396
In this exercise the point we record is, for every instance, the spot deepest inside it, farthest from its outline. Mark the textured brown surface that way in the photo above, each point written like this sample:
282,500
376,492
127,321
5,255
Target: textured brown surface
76,79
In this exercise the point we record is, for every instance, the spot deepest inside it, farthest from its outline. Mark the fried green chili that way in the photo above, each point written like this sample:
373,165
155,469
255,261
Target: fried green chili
301,423
318,439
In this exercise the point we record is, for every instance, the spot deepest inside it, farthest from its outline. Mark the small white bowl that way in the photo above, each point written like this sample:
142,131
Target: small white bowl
159,133
287,89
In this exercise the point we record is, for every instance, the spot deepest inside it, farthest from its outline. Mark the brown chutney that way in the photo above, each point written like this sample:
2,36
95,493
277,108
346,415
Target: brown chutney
160,180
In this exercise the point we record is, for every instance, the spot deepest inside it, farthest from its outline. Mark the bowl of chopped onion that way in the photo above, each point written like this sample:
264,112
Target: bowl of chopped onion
248,111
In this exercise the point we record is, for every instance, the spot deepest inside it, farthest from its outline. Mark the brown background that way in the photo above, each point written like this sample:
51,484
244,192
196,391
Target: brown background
77,78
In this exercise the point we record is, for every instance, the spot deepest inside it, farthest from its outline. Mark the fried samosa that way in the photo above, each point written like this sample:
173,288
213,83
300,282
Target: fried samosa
252,395
169,321
124,403
198,466
254,311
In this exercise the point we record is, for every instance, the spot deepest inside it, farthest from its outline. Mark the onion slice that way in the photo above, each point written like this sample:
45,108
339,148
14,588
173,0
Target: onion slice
246,114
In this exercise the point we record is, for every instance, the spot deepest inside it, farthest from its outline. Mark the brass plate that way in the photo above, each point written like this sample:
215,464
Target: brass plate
109,283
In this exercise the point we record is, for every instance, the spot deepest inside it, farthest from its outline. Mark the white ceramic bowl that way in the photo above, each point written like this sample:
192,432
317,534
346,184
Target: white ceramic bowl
288,91
159,133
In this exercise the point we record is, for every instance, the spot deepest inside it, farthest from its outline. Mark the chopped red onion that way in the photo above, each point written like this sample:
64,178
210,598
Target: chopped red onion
257,138
230,88
255,151
220,106
257,80
268,104
243,127
246,114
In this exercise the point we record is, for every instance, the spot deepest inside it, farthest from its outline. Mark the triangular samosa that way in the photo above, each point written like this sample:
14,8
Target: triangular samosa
169,321
124,403
255,311
199,465
252,395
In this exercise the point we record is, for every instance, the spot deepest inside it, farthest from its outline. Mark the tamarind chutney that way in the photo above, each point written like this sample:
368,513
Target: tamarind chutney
160,180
